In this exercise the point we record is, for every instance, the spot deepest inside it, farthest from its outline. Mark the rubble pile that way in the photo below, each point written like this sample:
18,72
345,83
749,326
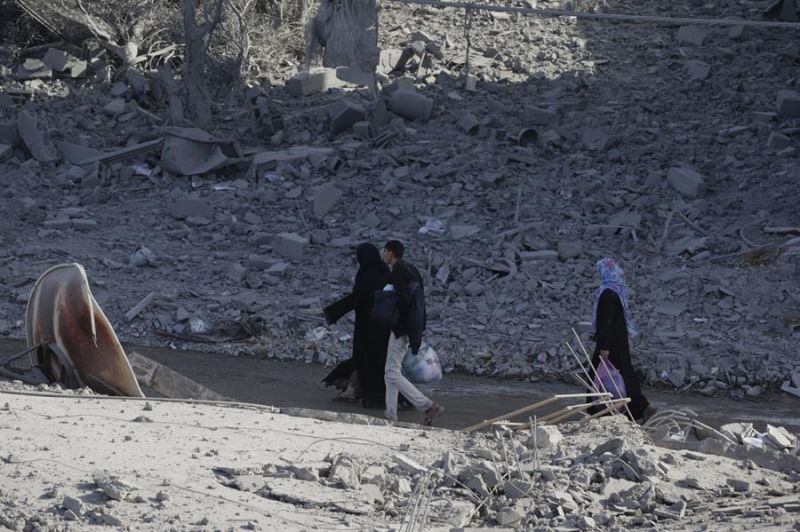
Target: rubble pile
671,148
157,465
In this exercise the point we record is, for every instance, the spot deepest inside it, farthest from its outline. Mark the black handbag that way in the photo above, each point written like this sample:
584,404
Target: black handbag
385,311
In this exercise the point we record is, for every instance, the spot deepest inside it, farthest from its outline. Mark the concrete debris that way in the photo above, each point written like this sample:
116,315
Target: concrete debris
344,114
686,181
410,104
547,437
291,246
788,104
190,207
697,69
32,137
318,80
692,35
112,486
325,198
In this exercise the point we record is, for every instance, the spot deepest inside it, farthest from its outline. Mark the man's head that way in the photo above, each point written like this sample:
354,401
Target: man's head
392,252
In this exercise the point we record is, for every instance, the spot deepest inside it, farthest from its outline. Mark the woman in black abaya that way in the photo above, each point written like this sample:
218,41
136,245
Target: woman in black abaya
613,325
369,340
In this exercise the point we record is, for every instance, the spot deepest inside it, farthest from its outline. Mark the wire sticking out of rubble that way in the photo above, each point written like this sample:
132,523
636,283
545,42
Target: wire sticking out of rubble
681,421
417,508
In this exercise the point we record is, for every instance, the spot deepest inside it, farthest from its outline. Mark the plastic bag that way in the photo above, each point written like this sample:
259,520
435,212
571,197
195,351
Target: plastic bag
422,368
607,378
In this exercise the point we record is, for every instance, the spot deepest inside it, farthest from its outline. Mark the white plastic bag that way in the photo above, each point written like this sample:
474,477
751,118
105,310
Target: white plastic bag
422,368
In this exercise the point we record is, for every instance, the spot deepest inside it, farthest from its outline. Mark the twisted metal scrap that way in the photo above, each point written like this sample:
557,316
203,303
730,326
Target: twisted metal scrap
679,422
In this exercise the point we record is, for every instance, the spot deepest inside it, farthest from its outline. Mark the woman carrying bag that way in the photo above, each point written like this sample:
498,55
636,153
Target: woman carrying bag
613,325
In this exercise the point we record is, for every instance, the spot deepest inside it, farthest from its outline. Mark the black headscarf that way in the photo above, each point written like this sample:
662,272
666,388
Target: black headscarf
369,259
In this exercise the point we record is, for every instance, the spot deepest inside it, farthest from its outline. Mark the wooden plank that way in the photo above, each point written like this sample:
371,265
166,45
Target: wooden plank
531,407
140,306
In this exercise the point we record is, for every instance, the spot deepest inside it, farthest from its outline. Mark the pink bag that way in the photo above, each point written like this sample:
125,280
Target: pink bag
607,378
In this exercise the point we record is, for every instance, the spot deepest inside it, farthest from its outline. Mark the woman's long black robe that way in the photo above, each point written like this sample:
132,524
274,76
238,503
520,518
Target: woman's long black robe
369,341
611,334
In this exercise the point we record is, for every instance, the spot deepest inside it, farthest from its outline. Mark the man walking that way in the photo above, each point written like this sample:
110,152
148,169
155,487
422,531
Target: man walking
407,283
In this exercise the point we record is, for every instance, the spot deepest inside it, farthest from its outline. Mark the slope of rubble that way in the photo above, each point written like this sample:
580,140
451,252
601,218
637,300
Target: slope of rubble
671,148
83,461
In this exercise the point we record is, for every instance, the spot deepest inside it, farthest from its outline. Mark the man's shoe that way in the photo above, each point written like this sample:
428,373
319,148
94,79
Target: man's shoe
433,412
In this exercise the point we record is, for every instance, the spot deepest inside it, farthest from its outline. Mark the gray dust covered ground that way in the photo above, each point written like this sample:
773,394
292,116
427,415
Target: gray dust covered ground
669,148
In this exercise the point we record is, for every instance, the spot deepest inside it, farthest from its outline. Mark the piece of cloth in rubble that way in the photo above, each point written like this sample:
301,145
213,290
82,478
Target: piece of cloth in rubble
611,334
412,320
348,32
612,277
369,342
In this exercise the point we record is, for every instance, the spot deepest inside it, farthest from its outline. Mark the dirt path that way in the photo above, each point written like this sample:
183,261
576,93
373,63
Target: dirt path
468,399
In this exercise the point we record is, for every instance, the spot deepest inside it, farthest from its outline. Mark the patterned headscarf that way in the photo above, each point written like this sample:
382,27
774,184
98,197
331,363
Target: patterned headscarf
612,278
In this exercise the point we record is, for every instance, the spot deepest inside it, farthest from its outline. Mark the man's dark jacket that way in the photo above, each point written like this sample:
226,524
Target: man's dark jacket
412,321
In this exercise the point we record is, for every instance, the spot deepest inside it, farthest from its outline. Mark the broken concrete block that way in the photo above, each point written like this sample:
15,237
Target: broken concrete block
788,104
84,224
595,138
489,179
191,208
32,137
6,152
77,69
546,254
33,69
388,60
115,107
697,69
570,250
290,245
692,35
459,231
508,516
119,89
9,134
517,489
56,59
540,117
686,181
324,199
411,105
478,485
73,504
112,486
136,80
780,438
343,114
471,83
778,141
345,472
407,464
738,485
547,437
318,80
237,273
469,124
362,130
